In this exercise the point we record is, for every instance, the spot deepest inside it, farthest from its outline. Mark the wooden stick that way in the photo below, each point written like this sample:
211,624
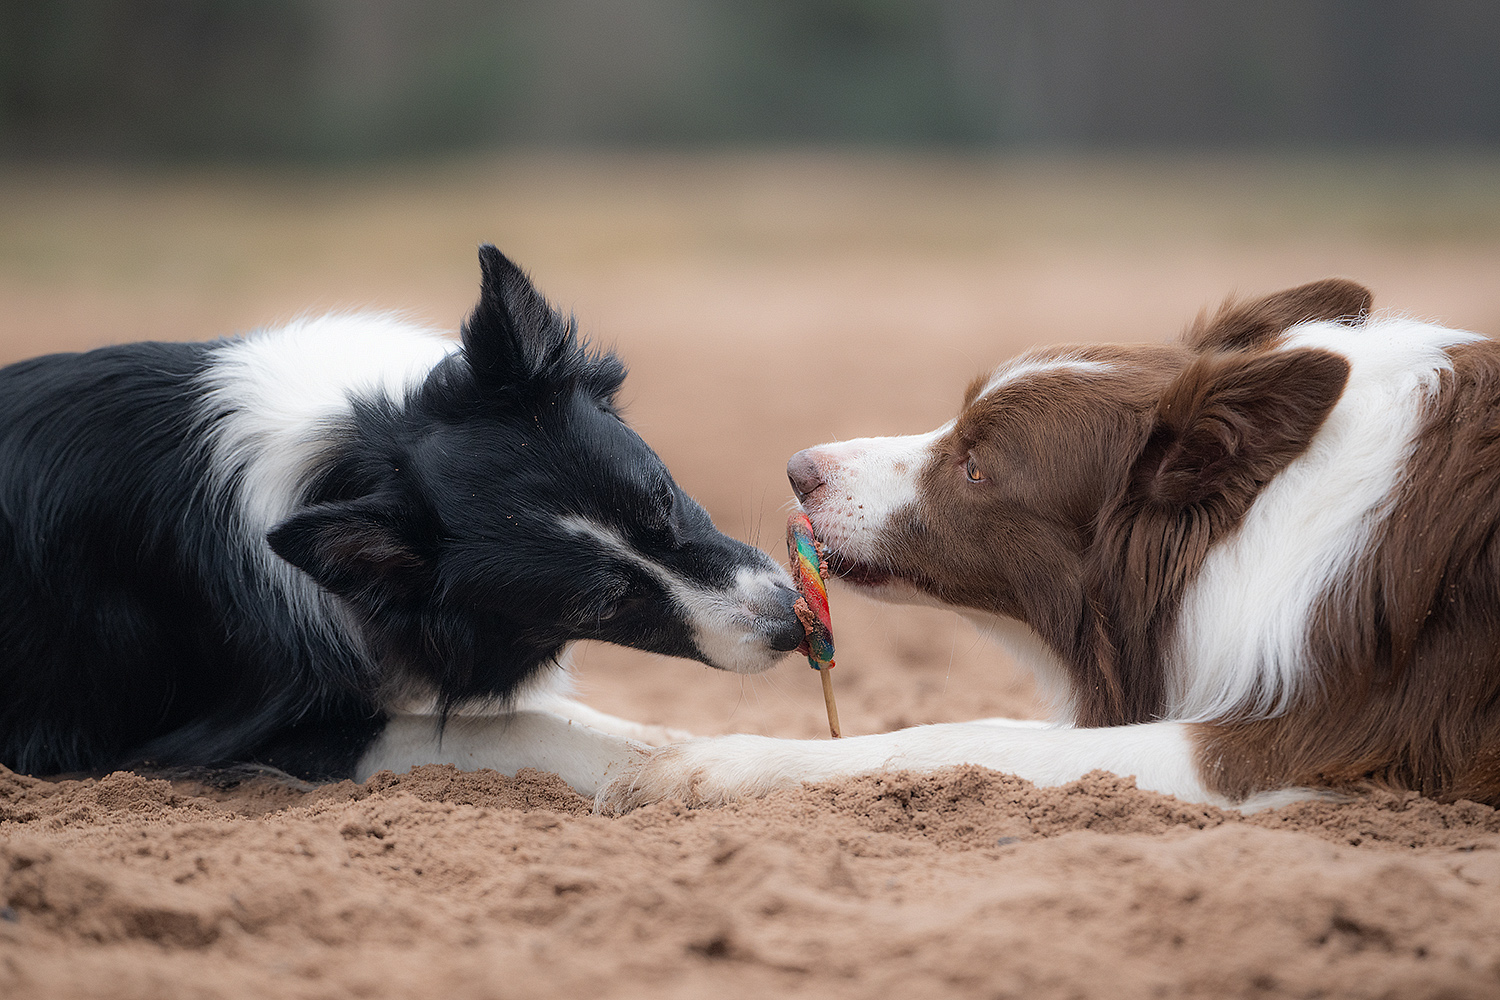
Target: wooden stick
833,709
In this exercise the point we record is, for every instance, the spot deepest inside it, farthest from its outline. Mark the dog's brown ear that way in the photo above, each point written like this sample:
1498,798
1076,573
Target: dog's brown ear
1222,431
1244,325
1230,422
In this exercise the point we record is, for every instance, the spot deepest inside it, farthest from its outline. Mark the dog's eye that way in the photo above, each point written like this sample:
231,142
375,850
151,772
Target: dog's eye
613,600
972,471
669,523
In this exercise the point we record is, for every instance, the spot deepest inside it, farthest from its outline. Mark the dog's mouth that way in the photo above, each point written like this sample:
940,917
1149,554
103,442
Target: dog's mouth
846,569
856,573
852,572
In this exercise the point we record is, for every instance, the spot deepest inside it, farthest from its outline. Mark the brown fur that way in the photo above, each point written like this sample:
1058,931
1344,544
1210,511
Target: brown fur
1408,658
1223,430
1103,495
1051,448
1239,326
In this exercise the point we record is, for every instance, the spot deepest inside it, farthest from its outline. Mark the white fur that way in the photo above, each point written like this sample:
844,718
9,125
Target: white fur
866,482
723,622
542,726
1242,632
584,757
271,400
586,715
1024,368
1007,723
710,771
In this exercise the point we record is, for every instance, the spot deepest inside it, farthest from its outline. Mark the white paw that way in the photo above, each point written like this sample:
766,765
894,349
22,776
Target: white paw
710,772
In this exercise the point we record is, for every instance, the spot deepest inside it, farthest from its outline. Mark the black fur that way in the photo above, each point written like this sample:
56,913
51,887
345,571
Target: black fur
135,627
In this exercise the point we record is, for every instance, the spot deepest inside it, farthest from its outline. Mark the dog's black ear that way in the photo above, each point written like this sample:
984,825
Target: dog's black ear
512,335
515,340
1240,326
354,548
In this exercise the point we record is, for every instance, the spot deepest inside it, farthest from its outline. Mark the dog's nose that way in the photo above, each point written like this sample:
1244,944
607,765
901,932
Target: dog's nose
804,474
785,630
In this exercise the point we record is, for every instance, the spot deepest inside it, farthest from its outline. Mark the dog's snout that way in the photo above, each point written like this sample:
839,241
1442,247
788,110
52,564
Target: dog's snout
804,474
786,632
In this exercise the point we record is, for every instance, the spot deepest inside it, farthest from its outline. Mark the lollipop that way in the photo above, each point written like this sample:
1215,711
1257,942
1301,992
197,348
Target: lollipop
808,570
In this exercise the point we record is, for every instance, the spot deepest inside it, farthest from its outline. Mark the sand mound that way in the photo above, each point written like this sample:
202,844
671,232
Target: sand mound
967,882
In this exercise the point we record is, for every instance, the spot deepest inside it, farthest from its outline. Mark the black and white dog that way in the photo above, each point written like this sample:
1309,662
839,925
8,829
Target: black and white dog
348,544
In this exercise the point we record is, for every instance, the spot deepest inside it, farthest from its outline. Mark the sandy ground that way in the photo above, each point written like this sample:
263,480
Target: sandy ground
897,280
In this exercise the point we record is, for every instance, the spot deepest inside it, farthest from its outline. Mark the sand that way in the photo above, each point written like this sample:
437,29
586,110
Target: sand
897,279
962,883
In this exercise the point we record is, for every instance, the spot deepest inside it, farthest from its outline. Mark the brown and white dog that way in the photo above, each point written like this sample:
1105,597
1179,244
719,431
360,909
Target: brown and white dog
1250,566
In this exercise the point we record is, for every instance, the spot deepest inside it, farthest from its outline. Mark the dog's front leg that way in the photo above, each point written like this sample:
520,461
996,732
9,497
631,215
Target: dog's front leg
1160,755
577,711
584,757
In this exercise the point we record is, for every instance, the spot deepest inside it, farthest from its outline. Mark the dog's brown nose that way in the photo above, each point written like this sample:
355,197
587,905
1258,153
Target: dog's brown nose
804,474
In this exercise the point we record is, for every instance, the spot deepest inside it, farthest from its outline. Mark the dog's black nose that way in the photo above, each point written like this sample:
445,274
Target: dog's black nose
804,474
786,632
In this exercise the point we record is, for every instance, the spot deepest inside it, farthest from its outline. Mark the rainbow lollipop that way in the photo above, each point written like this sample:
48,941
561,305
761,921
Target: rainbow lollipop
808,570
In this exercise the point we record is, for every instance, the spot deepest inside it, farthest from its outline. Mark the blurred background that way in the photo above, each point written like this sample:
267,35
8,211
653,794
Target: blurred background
796,219
320,80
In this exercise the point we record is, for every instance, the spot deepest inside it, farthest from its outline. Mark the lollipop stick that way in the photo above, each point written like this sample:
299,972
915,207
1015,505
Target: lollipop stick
833,709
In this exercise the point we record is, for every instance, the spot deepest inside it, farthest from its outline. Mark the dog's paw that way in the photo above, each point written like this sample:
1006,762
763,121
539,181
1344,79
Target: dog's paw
708,772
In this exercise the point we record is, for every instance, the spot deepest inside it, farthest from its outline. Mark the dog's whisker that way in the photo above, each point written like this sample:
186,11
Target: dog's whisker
952,653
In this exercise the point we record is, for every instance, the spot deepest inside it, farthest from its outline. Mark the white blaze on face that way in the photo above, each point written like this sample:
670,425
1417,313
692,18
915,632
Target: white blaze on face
869,482
866,482
1026,368
724,622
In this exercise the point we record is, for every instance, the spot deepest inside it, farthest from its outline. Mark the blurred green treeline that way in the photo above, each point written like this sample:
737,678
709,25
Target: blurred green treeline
353,79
